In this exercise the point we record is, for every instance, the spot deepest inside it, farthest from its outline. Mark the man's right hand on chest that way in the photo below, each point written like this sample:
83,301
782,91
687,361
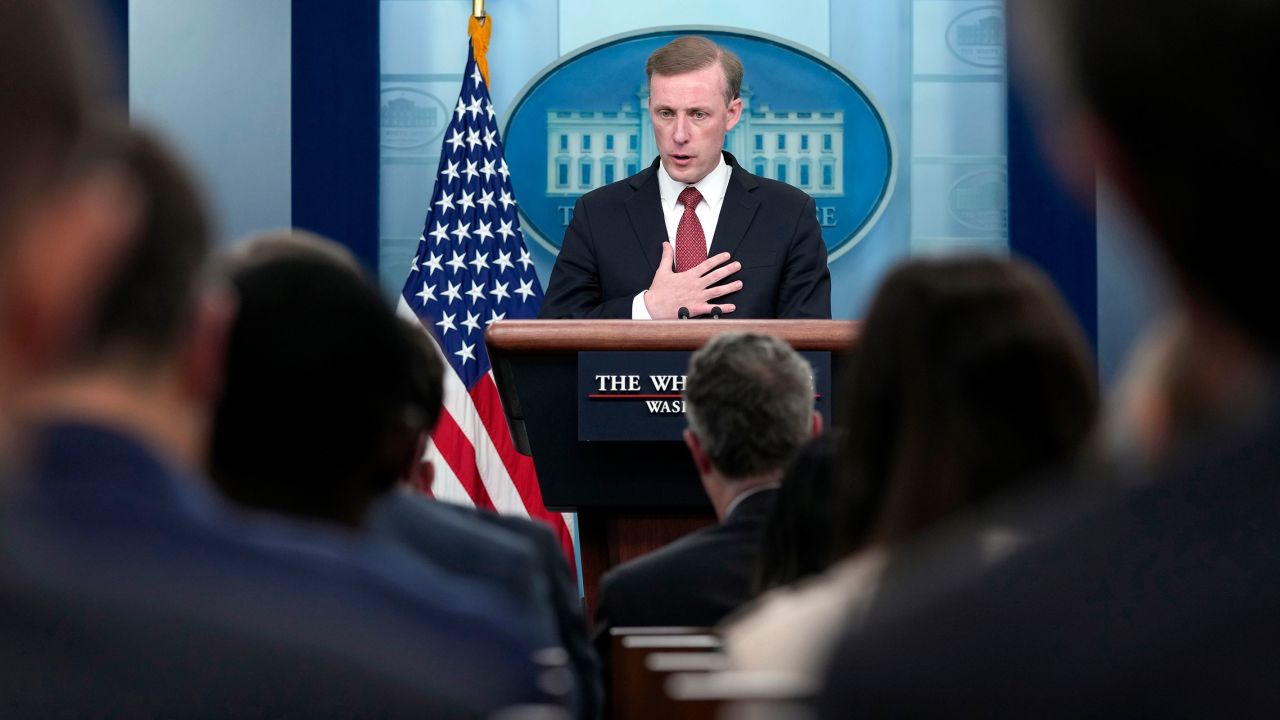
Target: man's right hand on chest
690,289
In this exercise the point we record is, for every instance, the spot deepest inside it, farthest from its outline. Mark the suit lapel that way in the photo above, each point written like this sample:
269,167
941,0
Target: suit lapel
644,209
737,211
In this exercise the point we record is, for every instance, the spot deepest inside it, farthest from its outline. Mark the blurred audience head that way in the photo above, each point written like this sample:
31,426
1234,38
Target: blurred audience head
749,405
1180,383
798,539
318,372
970,376
1128,88
66,208
407,443
149,356
148,306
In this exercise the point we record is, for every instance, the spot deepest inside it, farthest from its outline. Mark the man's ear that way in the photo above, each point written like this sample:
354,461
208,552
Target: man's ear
700,458
205,353
63,249
815,428
734,114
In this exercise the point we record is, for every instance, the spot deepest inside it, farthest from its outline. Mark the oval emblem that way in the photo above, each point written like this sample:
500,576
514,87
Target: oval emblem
583,122
977,36
411,119
980,201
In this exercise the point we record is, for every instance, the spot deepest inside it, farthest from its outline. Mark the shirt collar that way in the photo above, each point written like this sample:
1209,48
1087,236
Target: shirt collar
713,186
734,503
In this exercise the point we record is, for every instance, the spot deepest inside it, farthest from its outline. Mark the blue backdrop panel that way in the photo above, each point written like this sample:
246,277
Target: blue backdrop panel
336,123
115,18
1046,225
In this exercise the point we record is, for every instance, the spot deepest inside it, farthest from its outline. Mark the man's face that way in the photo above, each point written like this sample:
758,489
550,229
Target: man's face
690,119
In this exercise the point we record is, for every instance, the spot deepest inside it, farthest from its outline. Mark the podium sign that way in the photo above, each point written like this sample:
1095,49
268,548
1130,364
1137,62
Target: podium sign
636,396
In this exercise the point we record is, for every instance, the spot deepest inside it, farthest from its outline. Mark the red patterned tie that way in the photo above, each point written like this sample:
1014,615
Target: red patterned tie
691,243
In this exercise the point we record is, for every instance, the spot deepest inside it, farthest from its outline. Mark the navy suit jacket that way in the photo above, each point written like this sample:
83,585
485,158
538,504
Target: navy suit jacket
457,545
695,581
515,555
126,589
614,243
565,599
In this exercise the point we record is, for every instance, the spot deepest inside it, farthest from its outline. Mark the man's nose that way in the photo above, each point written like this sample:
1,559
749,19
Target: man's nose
681,130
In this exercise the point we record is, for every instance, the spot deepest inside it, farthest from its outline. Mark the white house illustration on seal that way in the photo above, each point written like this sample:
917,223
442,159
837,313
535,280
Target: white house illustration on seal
588,149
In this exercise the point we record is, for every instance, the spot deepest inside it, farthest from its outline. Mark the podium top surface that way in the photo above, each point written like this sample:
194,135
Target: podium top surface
536,336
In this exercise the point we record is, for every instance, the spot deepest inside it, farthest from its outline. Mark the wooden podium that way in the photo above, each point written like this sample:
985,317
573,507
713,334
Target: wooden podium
631,497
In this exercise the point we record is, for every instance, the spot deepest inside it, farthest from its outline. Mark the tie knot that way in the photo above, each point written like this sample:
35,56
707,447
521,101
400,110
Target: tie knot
690,197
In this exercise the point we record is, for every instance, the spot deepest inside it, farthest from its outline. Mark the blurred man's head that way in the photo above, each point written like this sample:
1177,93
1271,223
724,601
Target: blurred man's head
150,352
147,307
65,207
749,404
317,378
1170,97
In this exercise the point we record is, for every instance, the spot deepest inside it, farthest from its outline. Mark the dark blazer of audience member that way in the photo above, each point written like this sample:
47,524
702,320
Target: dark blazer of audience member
118,517
520,555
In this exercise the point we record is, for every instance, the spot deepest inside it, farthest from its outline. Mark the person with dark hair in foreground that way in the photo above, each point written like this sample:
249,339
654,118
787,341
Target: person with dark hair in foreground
1159,599
165,602
970,378
338,456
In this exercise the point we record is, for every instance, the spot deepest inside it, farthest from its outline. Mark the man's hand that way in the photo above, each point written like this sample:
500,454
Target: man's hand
690,289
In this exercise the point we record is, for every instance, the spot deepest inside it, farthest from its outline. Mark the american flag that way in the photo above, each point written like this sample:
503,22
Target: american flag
472,268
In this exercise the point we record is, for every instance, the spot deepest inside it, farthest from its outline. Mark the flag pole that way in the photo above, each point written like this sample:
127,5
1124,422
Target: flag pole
477,9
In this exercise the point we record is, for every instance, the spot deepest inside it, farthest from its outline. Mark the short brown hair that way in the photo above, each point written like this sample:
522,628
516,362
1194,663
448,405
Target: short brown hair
749,399
147,305
689,53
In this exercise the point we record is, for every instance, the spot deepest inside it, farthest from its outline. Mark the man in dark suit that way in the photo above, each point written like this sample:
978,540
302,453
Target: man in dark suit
132,590
749,405
1159,600
694,233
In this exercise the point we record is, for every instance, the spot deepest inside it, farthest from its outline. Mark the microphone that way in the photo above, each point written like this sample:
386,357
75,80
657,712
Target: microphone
682,313
715,312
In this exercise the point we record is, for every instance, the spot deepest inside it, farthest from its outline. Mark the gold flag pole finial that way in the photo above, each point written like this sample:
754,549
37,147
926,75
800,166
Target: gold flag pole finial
477,8
480,28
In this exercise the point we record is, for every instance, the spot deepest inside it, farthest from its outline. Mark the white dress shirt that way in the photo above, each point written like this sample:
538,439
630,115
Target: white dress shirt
713,188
